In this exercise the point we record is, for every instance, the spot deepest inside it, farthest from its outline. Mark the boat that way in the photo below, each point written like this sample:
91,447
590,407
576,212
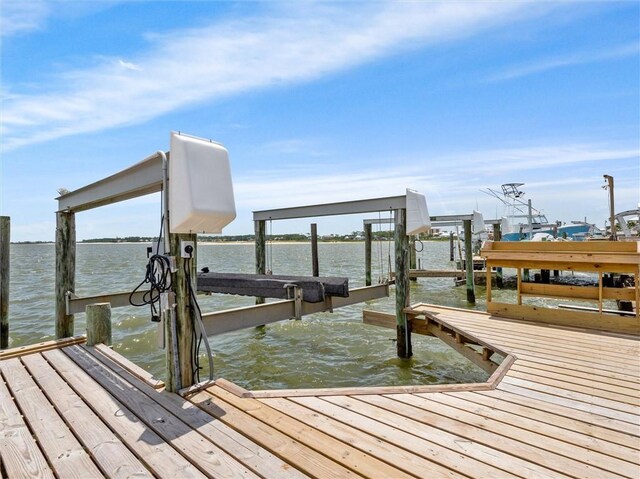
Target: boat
523,222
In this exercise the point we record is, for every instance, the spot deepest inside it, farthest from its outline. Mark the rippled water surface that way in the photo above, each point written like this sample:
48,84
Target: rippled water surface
322,350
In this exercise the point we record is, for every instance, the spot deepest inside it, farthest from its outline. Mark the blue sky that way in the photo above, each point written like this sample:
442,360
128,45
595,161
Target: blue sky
322,101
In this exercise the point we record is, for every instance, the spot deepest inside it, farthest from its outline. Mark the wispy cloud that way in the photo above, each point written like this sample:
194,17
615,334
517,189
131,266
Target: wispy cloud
553,63
192,66
444,179
20,16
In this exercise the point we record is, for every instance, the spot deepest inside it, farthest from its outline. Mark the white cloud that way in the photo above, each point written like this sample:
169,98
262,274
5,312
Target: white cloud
128,65
545,64
186,67
445,180
21,16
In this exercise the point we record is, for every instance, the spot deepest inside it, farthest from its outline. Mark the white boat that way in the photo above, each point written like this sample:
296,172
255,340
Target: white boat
524,222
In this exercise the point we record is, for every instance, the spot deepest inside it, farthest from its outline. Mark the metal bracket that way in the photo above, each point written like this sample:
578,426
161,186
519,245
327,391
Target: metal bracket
68,296
295,292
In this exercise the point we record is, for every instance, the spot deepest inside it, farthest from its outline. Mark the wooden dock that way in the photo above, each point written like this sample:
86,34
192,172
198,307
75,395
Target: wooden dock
568,406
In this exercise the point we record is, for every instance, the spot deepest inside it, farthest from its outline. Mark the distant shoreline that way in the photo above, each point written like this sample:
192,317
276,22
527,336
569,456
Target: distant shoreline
208,243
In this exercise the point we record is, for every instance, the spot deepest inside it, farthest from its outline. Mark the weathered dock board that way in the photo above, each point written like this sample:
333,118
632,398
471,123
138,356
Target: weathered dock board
567,406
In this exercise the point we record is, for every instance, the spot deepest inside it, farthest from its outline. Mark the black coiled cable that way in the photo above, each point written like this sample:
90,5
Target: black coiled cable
158,277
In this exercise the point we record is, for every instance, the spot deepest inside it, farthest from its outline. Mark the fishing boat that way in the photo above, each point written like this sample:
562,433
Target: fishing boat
522,221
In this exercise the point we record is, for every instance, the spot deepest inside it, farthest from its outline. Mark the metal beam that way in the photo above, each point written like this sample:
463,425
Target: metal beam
141,179
445,220
258,315
332,209
76,304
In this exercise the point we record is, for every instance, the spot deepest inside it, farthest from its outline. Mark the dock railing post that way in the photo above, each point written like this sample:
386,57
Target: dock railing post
65,270
5,248
367,253
468,255
314,250
403,327
98,324
260,227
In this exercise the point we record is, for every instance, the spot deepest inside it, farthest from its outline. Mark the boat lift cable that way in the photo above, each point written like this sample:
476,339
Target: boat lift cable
199,333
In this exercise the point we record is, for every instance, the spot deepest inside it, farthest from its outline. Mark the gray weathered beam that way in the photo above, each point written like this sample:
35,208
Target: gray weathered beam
436,221
75,304
141,179
258,315
331,209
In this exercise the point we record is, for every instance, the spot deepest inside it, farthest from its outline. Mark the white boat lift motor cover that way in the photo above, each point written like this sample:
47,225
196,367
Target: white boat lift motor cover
478,223
418,220
200,188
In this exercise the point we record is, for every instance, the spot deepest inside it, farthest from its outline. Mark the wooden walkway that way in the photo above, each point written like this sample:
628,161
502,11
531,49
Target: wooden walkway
567,407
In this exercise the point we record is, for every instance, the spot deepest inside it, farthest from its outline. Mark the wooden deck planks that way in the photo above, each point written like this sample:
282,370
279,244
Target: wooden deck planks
110,454
530,424
161,458
567,407
261,461
205,455
448,450
545,413
403,459
20,455
298,455
533,444
338,451
63,451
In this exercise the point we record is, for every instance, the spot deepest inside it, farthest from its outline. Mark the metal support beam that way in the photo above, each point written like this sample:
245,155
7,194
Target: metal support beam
259,315
332,209
141,179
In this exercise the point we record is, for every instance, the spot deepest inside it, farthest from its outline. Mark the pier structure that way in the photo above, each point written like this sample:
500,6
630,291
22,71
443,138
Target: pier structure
396,206
465,221
560,402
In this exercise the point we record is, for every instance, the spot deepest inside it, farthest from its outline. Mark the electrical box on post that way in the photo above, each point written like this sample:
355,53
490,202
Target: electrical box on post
200,188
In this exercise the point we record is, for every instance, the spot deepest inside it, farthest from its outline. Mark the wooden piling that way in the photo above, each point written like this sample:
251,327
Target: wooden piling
403,326
5,242
65,270
314,250
497,236
98,324
367,253
260,227
468,255
184,325
451,255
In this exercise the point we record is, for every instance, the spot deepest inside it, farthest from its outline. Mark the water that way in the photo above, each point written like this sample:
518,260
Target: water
322,350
